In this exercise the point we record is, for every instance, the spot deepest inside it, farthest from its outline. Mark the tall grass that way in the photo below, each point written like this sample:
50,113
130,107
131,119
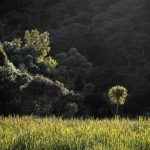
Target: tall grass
30,133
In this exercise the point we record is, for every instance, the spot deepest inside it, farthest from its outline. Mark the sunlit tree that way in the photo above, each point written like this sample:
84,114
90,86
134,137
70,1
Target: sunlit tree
117,96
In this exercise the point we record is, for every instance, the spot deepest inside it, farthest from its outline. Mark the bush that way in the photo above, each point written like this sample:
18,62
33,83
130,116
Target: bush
10,81
41,90
71,109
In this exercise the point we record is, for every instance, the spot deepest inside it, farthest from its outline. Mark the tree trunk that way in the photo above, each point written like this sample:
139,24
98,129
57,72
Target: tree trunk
117,109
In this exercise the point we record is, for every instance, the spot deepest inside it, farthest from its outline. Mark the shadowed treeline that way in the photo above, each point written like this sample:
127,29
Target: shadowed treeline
97,44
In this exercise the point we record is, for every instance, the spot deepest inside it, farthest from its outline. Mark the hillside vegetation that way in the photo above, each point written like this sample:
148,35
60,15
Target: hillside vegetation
95,45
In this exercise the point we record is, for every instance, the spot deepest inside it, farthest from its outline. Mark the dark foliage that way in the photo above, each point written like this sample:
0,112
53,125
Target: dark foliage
43,96
113,34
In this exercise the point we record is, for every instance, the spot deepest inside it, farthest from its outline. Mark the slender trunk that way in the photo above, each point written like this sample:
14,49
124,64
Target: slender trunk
117,108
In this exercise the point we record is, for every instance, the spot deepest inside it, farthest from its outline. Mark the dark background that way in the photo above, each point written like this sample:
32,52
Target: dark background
113,34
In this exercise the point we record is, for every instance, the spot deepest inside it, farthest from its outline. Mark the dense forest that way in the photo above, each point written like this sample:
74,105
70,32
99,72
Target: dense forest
61,58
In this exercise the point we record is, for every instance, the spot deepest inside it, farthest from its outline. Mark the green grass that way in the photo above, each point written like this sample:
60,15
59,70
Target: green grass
30,133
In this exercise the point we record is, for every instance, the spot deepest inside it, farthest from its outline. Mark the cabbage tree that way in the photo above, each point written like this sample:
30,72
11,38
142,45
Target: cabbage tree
117,96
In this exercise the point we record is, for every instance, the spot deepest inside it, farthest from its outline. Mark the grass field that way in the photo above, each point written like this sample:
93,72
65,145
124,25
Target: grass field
30,133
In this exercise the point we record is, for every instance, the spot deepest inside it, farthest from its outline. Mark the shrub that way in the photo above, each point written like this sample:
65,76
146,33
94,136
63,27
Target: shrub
41,90
71,109
10,81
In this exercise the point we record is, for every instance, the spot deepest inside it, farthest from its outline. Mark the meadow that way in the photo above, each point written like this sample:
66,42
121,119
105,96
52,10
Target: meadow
32,133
